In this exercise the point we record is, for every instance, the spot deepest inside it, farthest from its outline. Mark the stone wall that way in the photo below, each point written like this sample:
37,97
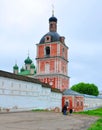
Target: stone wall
92,102
18,95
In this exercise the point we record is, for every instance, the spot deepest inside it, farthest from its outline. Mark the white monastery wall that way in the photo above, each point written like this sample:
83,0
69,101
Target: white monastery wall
22,95
92,102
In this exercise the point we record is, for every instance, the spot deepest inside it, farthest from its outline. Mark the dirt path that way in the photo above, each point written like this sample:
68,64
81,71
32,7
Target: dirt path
44,121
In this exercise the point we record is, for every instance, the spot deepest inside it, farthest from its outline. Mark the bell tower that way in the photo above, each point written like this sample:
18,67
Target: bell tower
52,58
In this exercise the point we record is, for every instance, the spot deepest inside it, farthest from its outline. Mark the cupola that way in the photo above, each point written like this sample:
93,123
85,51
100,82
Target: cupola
22,69
28,60
32,66
15,69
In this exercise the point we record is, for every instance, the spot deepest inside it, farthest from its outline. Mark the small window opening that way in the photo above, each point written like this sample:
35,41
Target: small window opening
47,50
47,38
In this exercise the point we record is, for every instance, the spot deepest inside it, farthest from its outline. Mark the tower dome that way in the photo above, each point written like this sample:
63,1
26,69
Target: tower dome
53,19
22,69
28,60
52,35
32,66
15,67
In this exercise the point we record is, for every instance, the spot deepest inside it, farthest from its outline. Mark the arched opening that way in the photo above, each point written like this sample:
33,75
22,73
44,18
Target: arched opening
47,49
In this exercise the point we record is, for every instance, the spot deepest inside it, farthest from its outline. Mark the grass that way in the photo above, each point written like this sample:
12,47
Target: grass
97,125
97,112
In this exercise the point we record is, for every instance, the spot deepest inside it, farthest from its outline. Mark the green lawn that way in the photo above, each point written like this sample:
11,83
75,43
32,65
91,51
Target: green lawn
96,112
98,124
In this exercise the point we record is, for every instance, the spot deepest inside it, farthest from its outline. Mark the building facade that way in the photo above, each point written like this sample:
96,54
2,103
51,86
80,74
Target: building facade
52,58
74,100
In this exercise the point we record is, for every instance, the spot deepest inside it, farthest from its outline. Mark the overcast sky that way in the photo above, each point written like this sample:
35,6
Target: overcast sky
24,22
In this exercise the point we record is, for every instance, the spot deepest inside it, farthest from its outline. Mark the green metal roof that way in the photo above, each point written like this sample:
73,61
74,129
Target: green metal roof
25,72
32,66
35,71
22,69
15,67
28,60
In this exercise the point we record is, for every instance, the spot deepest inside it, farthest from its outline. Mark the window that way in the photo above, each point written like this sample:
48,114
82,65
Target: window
77,103
66,102
48,39
47,50
81,103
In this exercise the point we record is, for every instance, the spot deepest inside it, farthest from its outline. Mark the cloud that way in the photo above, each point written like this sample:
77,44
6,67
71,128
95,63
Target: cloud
20,13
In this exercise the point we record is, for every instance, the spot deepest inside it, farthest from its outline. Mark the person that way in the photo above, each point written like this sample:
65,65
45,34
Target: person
70,111
64,109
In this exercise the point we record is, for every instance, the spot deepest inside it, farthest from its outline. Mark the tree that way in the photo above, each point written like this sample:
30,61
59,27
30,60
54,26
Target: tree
86,88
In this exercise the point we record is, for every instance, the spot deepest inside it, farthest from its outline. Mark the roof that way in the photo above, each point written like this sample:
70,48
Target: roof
71,92
20,77
25,78
32,66
25,72
91,96
22,69
54,37
15,67
28,60
52,19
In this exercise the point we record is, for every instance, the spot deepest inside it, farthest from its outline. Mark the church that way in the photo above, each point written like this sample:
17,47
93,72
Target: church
51,60
46,84
52,65
40,86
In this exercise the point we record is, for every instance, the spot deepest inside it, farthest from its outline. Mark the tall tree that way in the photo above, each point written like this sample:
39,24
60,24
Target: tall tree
86,88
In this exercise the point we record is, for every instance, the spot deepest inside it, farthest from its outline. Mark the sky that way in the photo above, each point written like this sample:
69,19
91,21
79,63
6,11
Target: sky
24,22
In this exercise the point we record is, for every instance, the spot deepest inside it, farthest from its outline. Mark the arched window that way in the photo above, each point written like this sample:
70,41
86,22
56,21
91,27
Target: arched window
47,50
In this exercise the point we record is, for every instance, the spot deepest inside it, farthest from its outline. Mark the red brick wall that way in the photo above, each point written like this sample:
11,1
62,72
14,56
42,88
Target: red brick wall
75,102
55,65
41,51
54,49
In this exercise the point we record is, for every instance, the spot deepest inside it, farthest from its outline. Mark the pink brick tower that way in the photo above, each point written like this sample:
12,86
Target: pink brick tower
52,58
